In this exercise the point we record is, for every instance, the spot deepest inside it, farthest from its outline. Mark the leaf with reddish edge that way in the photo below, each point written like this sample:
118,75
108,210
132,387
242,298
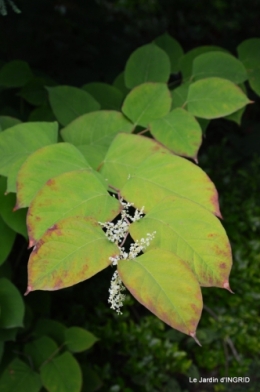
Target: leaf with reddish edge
46,163
193,234
164,175
164,284
75,193
70,252
126,152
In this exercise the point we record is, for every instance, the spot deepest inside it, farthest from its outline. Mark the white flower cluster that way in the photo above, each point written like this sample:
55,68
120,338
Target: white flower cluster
117,232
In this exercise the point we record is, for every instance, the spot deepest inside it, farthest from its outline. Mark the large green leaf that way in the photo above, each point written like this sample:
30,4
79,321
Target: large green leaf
125,154
7,240
249,54
147,102
79,339
44,164
219,64
109,97
93,133
148,63
41,350
193,234
15,74
164,284
68,103
11,305
62,374
72,251
8,122
172,48
179,131
215,97
75,193
187,60
163,175
19,377
18,142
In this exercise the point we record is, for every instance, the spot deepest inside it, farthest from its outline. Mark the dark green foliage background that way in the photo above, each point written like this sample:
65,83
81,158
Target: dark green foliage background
137,352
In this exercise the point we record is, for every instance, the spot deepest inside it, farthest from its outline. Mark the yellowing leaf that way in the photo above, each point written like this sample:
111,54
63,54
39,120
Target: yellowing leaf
71,251
192,233
165,285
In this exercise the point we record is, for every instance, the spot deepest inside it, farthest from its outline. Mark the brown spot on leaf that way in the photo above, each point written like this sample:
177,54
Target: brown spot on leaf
222,265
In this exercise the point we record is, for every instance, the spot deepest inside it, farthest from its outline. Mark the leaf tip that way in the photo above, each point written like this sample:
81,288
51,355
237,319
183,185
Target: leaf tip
29,289
31,243
227,287
193,335
16,207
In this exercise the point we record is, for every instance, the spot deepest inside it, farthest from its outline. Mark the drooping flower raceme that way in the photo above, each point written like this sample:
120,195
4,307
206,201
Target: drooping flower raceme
117,233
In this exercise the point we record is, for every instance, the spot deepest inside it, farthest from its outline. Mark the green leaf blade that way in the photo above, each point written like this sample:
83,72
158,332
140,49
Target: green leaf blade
62,374
79,339
44,164
219,64
19,377
249,54
215,97
12,305
92,133
172,48
149,63
68,103
109,97
166,286
179,131
17,143
146,103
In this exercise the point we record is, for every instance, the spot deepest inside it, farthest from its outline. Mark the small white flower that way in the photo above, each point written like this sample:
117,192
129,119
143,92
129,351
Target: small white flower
117,233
